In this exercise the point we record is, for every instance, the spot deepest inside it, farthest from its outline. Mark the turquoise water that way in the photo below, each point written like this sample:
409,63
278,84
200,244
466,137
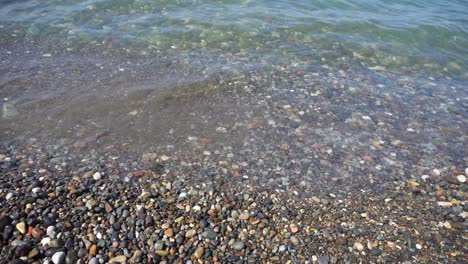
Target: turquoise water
398,35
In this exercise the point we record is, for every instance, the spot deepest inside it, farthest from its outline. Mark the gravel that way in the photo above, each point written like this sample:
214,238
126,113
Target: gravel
217,220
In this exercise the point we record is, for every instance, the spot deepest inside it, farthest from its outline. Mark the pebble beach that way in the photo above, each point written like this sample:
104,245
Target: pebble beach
189,132
95,208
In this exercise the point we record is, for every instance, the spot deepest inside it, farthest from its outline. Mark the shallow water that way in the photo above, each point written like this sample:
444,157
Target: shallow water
290,90
399,35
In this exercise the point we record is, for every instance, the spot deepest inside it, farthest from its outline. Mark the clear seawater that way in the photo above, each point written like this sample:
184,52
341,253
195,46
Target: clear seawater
397,35
239,74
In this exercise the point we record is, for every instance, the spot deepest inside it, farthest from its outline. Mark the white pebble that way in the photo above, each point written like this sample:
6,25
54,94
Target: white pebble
425,177
51,231
358,246
444,204
418,246
58,258
97,176
9,196
45,241
36,189
461,178
436,172
466,171
221,130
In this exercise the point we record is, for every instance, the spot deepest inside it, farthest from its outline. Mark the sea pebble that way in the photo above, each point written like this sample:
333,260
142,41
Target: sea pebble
444,204
21,227
97,176
238,245
221,130
59,257
461,178
9,196
358,246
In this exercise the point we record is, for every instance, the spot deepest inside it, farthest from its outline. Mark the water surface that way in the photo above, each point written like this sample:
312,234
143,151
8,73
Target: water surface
323,90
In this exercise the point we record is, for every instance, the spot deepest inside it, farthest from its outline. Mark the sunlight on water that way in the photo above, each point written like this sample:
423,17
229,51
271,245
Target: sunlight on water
398,35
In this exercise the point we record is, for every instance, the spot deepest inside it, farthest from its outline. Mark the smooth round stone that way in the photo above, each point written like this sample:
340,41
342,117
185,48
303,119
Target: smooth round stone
211,235
125,213
115,237
358,246
238,245
59,258
51,232
190,233
112,219
461,178
45,241
93,261
69,243
37,233
97,176
9,196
